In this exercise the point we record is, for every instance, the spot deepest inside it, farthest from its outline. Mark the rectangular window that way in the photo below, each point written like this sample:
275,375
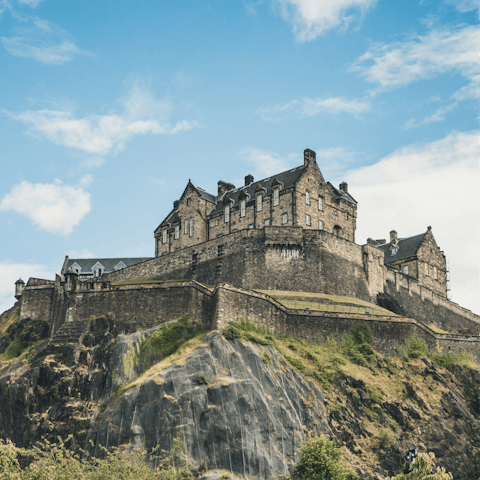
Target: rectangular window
242,208
320,224
346,216
346,235
164,237
216,222
276,196
307,220
251,225
307,198
191,227
435,272
177,231
320,203
186,227
259,203
405,269
188,201
426,269
227,213
267,222
285,218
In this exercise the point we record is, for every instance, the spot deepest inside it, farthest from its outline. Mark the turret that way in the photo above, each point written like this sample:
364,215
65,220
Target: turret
71,276
19,288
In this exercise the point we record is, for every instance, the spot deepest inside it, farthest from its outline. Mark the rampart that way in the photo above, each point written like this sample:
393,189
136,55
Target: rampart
428,307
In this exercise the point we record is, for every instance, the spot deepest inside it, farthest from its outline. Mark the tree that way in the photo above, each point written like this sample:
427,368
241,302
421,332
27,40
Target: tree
321,459
422,469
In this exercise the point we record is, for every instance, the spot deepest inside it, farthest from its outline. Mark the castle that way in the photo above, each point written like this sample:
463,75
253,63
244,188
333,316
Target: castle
292,231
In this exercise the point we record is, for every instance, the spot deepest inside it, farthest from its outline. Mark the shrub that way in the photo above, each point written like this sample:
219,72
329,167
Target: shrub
356,345
16,348
296,363
414,347
422,468
375,393
361,333
321,459
386,438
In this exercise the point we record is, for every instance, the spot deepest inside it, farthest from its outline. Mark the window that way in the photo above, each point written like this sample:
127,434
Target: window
164,237
307,197
285,218
216,222
242,208
177,231
191,227
97,272
426,269
405,269
259,203
267,222
346,235
435,273
320,203
320,224
307,220
335,212
346,216
227,213
188,201
186,227
276,196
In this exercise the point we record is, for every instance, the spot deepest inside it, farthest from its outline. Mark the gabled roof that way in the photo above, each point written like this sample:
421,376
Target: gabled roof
286,179
86,264
346,196
407,247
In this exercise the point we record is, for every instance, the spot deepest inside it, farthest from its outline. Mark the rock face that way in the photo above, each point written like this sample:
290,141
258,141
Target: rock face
238,405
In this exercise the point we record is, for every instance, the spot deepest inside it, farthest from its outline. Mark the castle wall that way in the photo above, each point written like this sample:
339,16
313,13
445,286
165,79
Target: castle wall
37,300
428,307
144,306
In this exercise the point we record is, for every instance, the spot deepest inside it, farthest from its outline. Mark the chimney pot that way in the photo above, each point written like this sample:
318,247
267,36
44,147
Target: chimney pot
248,179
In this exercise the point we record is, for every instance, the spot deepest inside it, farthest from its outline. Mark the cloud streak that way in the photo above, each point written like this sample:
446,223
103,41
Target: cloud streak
54,207
423,57
312,18
42,41
309,107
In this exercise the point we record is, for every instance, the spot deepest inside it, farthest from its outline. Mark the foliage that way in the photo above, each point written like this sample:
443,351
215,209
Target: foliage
422,469
415,347
244,329
375,393
320,459
470,470
386,438
16,348
356,345
54,461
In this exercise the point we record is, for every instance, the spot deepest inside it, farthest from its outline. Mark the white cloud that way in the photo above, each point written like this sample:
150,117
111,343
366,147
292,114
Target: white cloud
313,106
312,18
335,161
435,184
30,3
266,163
10,272
53,207
43,41
437,116
423,57
464,5
84,253
101,134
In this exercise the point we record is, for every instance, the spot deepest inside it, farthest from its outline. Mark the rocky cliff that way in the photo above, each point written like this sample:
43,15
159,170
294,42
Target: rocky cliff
243,406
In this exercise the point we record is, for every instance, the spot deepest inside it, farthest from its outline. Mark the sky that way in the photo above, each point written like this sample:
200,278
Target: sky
107,109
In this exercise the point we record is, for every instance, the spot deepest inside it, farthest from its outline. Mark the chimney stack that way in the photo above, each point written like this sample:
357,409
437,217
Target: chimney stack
224,187
393,237
309,157
344,187
176,203
248,179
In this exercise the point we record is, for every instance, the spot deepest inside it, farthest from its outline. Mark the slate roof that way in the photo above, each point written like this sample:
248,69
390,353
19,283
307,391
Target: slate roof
86,264
407,247
206,196
286,179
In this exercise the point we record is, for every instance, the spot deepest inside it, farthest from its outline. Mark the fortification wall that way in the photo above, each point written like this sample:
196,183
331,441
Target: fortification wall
311,326
428,307
279,258
37,302
144,306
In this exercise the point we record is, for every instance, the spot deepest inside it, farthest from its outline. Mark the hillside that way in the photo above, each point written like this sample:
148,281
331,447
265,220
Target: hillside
244,400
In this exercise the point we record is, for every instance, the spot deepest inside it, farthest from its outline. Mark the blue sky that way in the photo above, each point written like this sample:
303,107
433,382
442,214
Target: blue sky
108,108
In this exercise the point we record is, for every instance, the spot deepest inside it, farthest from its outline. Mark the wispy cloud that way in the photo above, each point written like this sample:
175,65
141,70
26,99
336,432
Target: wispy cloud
427,184
312,18
54,207
30,3
464,5
422,57
437,116
43,41
101,134
267,163
313,106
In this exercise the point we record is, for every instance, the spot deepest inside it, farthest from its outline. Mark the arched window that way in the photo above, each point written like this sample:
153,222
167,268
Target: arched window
337,231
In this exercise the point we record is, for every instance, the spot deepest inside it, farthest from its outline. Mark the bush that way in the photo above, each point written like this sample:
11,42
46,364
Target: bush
422,468
375,393
246,330
356,345
386,438
321,459
16,348
414,347
361,333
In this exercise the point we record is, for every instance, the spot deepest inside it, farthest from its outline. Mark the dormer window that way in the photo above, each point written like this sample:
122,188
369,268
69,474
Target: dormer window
164,236
259,203
227,213
394,249
307,197
276,196
242,207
